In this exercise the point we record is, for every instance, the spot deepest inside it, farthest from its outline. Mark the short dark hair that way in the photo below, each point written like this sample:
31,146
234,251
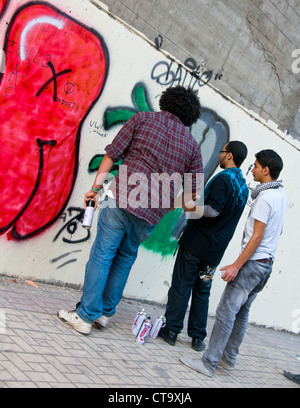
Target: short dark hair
239,151
181,102
272,160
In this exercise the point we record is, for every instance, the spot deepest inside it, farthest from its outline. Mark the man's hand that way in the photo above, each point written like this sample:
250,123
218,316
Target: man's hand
90,196
232,270
189,206
102,173
230,273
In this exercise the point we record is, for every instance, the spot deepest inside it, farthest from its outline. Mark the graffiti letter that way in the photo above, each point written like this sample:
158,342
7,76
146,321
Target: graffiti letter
164,74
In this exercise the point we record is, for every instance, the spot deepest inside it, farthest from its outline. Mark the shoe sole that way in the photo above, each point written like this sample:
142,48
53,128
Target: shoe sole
167,341
193,367
100,324
225,366
72,326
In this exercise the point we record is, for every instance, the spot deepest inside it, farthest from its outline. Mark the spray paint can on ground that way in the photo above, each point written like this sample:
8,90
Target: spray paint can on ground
138,321
143,333
156,327
88,215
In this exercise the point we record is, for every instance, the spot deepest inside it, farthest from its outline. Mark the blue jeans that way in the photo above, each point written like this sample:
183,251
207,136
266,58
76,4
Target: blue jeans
233,312
186,282
119,234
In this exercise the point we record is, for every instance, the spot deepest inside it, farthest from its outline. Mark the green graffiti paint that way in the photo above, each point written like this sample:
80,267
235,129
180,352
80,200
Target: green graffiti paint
114,116
139,96
161,241
97,160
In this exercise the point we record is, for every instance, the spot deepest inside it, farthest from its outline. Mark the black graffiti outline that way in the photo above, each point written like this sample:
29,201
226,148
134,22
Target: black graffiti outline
170,76
69,90
72,260
40,144
73,222
54,79
159,41
4,8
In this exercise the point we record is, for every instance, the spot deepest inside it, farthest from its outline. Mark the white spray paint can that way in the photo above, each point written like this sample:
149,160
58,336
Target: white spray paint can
156,327
88,215
144,331
141,317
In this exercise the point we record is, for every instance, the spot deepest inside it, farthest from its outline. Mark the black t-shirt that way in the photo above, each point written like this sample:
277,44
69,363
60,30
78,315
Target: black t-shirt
208,238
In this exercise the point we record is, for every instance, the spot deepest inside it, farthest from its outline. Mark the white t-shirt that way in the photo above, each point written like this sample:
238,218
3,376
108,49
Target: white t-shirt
270,208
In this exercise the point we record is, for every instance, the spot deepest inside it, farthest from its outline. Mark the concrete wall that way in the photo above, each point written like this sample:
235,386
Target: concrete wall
73,74
250,43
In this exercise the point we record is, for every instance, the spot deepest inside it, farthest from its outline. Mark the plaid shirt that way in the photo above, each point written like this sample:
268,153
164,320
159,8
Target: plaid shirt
154,145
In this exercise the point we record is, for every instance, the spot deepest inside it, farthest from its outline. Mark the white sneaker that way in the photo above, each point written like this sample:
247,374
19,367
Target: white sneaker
102,321
73,320
197,365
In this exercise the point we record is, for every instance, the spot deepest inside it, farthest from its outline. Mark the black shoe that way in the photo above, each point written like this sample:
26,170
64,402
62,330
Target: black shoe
198,344
293,377
169,336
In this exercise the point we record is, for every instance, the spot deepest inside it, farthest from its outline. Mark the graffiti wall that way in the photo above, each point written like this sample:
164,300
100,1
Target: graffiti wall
70,77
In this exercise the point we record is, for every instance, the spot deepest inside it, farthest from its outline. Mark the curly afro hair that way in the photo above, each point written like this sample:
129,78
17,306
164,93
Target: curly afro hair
181,102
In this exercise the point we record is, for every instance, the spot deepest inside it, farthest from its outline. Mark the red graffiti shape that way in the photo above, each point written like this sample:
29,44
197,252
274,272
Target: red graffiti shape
55,71
2,5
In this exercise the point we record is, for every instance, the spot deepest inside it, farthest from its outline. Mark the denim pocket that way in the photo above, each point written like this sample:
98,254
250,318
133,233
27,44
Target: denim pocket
260,272
144,234
110,217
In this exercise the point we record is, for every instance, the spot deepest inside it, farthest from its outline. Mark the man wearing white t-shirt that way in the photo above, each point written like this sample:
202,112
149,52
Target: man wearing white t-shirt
248,275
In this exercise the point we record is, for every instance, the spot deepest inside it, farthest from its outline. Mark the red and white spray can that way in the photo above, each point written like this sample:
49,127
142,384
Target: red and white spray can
138,321
144,332
156,327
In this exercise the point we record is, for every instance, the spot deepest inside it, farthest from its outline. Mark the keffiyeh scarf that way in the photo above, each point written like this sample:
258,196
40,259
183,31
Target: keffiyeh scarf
238,183
265,186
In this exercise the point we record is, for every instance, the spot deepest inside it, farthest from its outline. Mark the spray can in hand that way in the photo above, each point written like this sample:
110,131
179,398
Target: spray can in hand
89,214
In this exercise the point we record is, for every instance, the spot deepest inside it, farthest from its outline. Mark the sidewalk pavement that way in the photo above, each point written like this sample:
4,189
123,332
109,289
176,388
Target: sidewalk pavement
38,351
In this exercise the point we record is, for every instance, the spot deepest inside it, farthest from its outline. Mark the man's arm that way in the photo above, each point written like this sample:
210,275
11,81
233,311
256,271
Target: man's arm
201,211
232,270
214,203
102,173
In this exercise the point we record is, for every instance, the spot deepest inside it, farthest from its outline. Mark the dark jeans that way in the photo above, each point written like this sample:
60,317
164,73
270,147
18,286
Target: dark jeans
186,281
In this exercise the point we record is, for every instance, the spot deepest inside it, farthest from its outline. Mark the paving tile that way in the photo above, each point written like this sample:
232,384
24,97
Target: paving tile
38,351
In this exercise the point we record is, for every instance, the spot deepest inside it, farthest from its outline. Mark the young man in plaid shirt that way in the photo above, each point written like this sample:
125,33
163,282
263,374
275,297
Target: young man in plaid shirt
153,144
